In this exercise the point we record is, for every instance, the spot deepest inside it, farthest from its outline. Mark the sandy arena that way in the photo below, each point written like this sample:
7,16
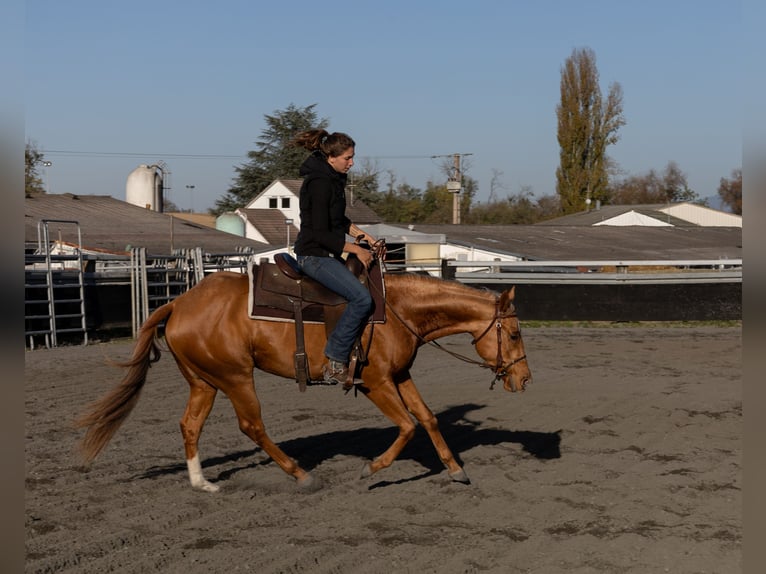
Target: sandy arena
624,455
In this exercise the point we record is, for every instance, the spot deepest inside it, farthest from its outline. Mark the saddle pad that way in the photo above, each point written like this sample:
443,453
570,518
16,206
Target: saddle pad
313,314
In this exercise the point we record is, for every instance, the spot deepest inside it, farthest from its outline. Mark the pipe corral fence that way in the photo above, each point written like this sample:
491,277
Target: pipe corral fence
72,294
72,297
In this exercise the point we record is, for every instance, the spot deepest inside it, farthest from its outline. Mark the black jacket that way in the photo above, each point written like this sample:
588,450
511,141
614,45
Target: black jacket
324,224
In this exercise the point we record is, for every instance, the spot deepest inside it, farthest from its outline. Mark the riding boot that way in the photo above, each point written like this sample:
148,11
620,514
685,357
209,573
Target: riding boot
335,372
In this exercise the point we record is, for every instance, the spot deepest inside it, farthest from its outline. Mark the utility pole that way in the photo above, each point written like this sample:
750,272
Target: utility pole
455,184
191,197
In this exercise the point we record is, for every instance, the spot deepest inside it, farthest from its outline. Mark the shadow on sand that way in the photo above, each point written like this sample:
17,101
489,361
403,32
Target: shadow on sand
366,443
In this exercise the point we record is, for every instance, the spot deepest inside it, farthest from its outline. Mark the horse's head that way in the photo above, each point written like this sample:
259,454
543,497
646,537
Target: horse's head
501,346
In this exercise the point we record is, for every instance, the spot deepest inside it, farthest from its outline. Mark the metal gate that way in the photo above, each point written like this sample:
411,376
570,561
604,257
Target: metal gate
55,297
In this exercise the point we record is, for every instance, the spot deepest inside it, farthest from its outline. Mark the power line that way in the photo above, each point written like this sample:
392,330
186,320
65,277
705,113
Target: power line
76,153
72,153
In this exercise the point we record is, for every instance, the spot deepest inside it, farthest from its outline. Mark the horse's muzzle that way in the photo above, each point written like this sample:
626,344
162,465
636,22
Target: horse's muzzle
517,381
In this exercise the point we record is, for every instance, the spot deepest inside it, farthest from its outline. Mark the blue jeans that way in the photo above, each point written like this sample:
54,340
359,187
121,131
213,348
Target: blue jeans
333,274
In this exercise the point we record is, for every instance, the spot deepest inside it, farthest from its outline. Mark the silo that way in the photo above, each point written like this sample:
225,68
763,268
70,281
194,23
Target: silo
230,222
144,187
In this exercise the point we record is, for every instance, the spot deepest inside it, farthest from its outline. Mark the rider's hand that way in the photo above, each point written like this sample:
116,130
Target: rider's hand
364,255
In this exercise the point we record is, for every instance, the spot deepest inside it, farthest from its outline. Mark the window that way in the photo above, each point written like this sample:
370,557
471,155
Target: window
285,203
272,203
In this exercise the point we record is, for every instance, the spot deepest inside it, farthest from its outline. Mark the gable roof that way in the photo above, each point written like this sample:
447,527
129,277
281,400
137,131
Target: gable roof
114,225
293,185
702,215
359,212
601,215
271,224
634,218
356,210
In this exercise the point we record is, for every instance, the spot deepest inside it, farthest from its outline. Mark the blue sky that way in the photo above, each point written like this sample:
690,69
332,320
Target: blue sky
112,85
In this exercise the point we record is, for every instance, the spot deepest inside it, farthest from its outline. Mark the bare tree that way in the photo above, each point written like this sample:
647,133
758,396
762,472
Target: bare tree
669,187
495,184
587,124
730,191
33,159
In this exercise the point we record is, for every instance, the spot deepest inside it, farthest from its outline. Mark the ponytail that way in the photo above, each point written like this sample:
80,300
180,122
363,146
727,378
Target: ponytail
330,144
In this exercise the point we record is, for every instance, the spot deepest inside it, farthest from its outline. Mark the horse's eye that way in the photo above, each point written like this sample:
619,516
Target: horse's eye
515,335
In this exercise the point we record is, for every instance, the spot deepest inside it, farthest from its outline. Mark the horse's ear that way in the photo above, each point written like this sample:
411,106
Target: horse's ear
506,298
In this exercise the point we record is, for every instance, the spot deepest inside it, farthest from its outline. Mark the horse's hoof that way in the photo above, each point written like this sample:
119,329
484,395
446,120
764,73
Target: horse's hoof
308,483
460,476
206,487
366,470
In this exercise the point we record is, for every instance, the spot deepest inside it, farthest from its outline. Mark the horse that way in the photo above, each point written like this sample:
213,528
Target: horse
217,347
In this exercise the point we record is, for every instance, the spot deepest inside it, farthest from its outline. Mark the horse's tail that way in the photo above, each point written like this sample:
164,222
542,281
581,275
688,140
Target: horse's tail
103,417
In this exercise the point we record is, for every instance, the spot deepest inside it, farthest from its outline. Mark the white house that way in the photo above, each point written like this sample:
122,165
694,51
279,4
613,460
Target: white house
273,216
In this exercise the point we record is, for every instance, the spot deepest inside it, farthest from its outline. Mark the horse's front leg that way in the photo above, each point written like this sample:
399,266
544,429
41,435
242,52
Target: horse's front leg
417,406
387,399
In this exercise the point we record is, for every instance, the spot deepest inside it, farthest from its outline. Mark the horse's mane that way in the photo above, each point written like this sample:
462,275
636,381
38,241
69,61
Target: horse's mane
416,280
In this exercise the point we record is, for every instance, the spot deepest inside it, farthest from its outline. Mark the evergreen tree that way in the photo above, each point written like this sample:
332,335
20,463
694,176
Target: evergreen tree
274,158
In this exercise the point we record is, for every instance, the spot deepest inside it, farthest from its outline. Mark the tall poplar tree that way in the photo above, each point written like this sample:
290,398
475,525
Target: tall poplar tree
587,124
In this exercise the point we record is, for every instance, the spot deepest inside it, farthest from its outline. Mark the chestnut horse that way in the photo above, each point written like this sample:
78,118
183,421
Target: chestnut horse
217,346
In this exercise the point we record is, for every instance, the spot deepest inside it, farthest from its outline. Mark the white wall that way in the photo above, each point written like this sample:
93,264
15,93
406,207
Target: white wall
279,191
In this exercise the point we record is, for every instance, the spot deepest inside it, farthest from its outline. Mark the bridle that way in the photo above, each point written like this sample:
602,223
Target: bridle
500,369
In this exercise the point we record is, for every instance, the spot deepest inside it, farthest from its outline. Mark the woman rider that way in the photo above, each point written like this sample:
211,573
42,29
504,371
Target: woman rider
322,240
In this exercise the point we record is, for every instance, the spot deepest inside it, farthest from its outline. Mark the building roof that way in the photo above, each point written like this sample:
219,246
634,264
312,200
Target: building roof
602,214
683,214
206,219
114,225
631,218
576,242
271,224
356,210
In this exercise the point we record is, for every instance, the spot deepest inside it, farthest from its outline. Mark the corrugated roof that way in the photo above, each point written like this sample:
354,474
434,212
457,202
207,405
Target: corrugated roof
205,219
115,225
111,224
576,242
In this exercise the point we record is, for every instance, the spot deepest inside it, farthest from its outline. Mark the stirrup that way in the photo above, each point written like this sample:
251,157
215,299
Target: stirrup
350,381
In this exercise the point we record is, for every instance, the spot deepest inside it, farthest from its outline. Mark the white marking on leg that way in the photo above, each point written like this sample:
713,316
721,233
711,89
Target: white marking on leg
196,478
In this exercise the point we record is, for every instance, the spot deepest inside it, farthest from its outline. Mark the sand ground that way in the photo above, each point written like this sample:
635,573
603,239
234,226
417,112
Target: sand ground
624,455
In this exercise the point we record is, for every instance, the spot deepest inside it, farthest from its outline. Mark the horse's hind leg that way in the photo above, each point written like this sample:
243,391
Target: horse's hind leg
201,399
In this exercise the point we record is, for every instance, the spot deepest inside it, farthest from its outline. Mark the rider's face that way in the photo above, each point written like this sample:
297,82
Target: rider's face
343,162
